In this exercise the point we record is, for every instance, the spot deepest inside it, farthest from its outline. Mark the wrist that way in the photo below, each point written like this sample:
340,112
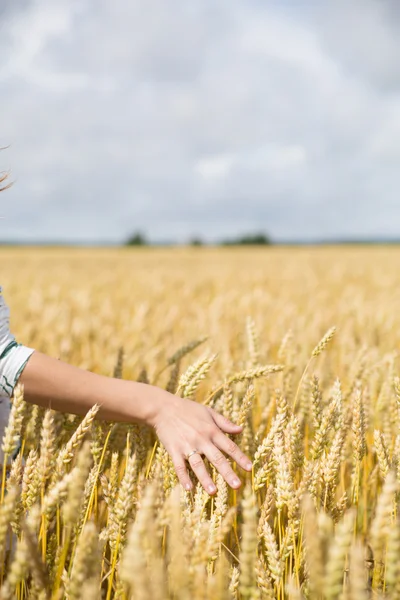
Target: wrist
154,402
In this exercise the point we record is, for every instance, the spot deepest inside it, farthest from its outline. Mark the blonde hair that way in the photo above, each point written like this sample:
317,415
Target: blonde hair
4,176
2,180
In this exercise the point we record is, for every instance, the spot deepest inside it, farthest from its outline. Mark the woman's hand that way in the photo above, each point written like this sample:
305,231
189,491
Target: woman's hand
183,425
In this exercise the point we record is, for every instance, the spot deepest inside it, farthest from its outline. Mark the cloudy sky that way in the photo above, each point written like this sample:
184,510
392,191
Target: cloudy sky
201,117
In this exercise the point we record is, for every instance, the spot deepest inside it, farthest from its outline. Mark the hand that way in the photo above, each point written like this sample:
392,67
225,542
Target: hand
183,425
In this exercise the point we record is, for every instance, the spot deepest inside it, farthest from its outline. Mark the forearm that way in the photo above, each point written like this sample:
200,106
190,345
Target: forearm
55,384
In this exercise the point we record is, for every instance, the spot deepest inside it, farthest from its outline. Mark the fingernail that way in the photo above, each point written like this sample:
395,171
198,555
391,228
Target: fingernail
211,489
248,466
188,487
236,482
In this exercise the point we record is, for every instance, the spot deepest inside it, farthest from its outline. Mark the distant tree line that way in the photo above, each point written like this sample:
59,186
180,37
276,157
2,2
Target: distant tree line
255,239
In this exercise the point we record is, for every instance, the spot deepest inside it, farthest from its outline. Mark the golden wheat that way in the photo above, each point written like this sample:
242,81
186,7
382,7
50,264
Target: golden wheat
90,509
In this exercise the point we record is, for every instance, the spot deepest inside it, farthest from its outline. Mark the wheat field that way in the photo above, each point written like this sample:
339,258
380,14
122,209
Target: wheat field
92,509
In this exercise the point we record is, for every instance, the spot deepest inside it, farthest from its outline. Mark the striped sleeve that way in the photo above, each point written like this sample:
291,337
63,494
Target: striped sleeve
13,356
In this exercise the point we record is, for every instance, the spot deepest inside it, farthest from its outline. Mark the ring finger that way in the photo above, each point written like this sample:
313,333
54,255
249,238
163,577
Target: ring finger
199,468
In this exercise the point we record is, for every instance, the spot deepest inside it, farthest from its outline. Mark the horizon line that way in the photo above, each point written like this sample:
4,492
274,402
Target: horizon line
223,243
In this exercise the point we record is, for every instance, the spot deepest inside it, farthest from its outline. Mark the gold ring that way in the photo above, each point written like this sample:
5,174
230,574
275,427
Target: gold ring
191,453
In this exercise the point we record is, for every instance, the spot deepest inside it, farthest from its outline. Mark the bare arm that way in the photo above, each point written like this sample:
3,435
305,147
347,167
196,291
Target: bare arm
55,384
182,425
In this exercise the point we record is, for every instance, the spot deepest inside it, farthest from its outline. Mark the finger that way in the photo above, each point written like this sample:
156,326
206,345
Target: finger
224,423
182,473
199,468
231,449
221,463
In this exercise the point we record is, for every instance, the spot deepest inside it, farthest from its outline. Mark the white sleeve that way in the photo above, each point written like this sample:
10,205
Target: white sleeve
13,356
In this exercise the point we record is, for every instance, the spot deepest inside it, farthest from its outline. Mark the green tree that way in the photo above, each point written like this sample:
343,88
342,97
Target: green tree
196,241
137,239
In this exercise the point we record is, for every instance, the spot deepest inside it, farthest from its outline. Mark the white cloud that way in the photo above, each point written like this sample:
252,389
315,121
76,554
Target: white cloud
265,158
214,166
30,32
208,117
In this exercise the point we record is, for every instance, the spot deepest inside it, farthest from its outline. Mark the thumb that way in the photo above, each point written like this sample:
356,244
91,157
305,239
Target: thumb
224,423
